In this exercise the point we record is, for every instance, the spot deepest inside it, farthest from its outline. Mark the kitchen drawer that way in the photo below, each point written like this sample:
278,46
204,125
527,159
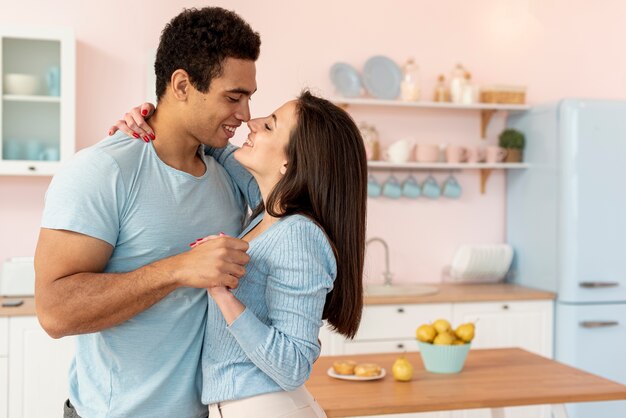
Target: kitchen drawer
367,347
393,322
4,337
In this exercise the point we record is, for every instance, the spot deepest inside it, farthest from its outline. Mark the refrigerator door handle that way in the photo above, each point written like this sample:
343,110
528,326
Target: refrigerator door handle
590,285
598,324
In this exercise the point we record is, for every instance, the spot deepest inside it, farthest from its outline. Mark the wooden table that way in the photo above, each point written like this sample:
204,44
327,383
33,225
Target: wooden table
493,379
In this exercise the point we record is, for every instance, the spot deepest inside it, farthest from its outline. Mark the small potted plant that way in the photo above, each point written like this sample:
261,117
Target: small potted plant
513,141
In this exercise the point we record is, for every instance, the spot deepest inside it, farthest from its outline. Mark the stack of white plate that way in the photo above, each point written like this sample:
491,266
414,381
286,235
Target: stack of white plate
481,263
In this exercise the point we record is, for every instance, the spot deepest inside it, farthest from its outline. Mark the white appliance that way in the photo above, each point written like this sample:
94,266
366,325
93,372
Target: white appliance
566,220
18,277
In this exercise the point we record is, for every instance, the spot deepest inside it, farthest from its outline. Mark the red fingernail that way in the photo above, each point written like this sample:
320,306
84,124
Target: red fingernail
145,138
144,112
110,133
135,135
199,239
222,234
152,136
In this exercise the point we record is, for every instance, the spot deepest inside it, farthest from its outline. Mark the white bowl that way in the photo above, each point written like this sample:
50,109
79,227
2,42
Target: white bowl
21,84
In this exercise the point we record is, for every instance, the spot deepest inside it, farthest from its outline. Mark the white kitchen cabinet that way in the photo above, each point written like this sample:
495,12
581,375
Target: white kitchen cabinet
37,111
525,324
4,367
4,387
38,368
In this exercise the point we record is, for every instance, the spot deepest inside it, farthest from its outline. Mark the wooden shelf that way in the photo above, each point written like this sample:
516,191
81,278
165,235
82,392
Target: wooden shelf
486,110
31,98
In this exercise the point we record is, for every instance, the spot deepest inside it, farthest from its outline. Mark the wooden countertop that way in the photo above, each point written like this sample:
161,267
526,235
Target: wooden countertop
452,293
448,293
490,379
26,309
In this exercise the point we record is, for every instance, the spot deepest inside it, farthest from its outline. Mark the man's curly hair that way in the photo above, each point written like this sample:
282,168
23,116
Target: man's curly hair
198,41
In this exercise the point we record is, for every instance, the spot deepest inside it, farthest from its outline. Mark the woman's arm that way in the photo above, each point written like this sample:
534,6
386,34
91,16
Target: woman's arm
302,275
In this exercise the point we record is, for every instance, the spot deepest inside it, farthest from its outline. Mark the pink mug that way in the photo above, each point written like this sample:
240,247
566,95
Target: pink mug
476,155
427,153
496,154
456,154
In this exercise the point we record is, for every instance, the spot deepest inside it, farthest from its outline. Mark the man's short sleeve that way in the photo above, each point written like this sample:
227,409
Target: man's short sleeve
87,197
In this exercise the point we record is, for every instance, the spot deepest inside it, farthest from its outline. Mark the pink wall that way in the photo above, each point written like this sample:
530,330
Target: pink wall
558,48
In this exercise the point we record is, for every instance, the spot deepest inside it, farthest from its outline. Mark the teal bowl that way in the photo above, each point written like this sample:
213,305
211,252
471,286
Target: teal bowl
443,358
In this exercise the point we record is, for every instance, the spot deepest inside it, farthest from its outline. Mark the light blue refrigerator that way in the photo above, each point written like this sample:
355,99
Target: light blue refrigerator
566,220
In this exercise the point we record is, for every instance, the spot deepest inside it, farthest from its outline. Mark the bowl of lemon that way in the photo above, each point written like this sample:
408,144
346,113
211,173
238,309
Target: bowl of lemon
444,349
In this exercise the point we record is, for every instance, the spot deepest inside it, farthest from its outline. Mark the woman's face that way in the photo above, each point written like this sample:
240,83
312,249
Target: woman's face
263,153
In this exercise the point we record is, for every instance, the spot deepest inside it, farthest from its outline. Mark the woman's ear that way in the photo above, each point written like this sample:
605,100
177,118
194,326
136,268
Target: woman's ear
283,168
180,84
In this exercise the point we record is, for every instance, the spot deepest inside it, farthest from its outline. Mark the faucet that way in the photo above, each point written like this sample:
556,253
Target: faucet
386,274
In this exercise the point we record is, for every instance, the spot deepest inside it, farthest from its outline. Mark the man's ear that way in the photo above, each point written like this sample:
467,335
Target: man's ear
180,84
283,168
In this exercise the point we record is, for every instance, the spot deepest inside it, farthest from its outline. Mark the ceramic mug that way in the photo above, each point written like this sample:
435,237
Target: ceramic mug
50,154
33,148
373,187
452,188
13,150
430,188
399,152
496,154
411,188
476,155
427,153
392,188
53,80
456,154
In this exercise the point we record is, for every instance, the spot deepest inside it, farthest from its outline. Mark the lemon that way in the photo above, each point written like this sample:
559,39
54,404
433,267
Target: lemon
441,325
402,370
426,333
444,338
465,332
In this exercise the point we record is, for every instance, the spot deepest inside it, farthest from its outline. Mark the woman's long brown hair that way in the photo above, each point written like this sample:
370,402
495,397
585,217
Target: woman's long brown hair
326,180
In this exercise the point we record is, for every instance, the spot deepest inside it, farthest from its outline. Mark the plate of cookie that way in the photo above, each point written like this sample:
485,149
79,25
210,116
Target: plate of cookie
350,370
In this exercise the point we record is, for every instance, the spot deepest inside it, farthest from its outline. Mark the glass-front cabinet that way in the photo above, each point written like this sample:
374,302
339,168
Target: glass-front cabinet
37,122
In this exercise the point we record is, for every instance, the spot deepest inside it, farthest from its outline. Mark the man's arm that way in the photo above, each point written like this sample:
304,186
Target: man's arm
73,296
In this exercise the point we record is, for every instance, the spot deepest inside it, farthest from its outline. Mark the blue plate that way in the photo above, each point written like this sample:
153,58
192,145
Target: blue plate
382,77
346,79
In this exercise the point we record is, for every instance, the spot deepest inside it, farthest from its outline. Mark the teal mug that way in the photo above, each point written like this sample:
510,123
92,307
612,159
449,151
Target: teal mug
452,188
373,187
411,188
392,188
430,188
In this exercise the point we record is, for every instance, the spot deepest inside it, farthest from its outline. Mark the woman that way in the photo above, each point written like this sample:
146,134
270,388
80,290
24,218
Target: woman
306,252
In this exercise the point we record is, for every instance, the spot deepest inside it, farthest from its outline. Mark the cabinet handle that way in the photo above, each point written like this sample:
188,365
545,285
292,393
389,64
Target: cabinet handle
400,346
598,324
32,168
400,310
593,285
505,307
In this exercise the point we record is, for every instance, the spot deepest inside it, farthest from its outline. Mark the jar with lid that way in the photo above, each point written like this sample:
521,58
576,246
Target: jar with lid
457,81
469,93
410,86
441,91
370,140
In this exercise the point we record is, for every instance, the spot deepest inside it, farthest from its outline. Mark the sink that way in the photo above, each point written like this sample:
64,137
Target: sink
400,290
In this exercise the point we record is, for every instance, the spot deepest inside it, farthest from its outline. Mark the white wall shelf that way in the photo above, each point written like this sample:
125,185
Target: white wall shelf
36,99
486,110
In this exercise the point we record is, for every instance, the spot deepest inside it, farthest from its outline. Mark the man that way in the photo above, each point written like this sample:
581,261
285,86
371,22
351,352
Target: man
113,262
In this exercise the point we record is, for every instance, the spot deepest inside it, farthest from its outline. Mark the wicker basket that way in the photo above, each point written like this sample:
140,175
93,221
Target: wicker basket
503,94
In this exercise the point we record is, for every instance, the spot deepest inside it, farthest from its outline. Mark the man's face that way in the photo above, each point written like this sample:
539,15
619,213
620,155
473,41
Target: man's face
213,117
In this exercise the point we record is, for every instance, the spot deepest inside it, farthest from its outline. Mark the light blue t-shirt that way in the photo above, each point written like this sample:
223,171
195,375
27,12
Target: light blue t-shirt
119,191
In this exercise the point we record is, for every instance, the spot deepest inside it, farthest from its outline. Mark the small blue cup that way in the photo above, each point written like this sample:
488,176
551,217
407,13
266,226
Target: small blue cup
392,188
452,188
53,79
411,188
373,187
430,188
